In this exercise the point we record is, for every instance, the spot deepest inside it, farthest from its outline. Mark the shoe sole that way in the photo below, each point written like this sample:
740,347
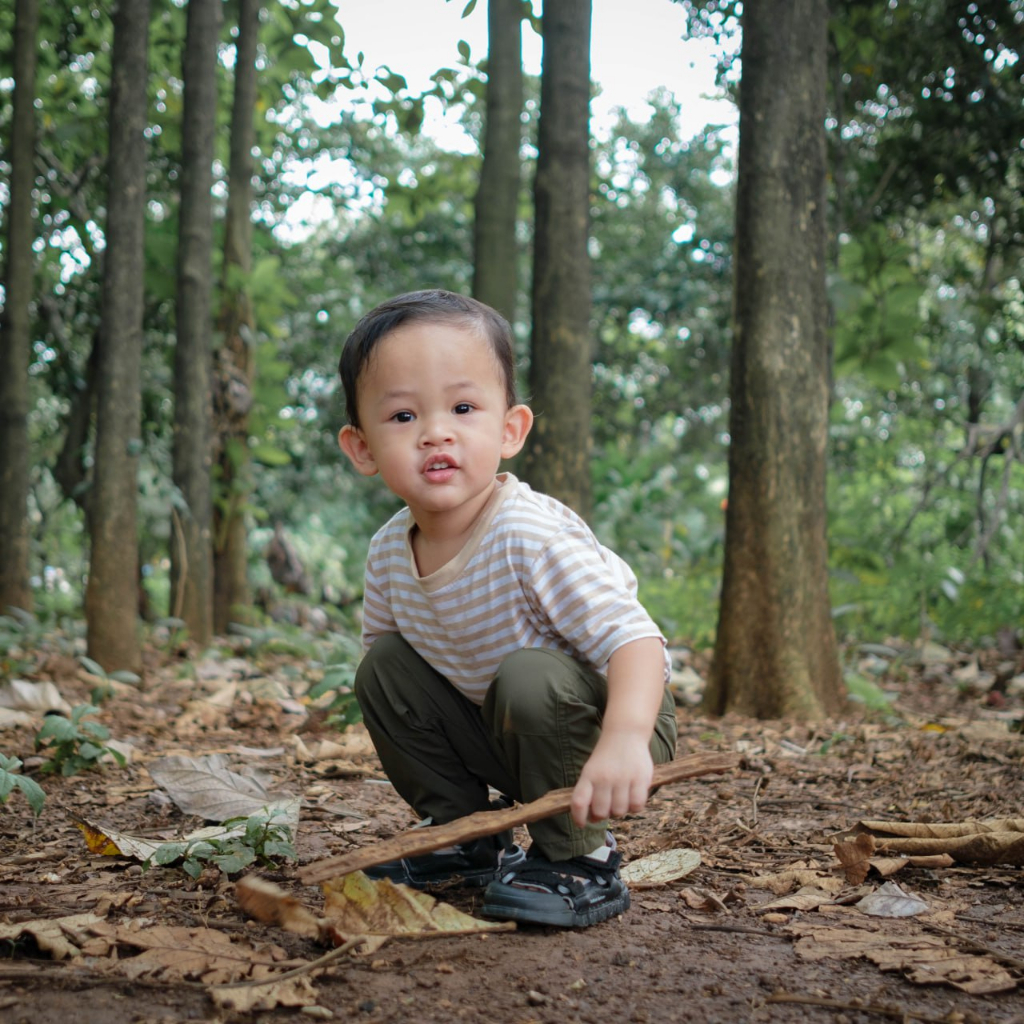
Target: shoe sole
536,908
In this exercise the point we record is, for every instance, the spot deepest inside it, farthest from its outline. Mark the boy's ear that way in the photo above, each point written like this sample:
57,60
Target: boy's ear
518,421
352,442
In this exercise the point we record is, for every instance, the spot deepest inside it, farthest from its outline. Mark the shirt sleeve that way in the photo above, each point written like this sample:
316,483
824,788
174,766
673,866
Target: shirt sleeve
378,617
587,595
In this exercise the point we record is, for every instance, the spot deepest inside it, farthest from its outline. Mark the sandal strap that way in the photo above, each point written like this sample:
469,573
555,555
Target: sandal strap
568,877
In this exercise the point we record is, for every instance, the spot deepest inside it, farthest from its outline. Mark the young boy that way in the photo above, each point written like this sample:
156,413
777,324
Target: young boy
504,645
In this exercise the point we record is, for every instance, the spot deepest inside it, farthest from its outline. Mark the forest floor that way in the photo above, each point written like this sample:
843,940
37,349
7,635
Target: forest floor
767,928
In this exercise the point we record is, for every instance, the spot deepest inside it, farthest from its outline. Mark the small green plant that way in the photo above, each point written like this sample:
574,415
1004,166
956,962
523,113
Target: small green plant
339,678
74,744
254,839
105,690
11,779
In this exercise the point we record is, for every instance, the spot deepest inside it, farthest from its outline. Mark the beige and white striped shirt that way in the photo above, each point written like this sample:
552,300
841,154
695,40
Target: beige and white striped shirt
531,575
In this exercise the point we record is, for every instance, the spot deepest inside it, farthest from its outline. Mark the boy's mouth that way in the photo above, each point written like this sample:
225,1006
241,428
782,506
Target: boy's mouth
440,467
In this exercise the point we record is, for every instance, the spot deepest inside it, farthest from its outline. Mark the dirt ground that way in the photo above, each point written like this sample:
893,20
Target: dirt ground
942,745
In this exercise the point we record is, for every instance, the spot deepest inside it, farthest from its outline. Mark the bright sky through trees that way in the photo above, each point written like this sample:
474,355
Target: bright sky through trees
636,47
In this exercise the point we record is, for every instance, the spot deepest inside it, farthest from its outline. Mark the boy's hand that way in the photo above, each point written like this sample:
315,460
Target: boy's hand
617,776
615,780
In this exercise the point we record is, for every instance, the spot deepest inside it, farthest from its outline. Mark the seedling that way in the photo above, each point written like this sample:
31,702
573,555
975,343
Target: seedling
106,690
261,840
11,779
339,678
74,744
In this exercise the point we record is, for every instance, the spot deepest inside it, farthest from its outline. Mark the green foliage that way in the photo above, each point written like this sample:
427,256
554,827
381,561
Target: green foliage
105,691
74,744
338,679
261,840
20,636
11,779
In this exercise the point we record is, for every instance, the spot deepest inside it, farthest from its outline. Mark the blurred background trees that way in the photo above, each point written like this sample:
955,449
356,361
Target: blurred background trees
353,201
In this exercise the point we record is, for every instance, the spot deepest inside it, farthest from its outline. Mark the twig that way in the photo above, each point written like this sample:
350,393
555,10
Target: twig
295,972
894,1012
738,929
486,823
753,799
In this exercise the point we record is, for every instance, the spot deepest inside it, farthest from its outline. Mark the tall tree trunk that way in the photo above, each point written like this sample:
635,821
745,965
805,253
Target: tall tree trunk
111,595
495,256
234,368
775,653
191,543
15,322
557,459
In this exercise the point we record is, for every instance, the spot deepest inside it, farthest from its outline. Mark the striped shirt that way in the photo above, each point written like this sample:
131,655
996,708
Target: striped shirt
532,574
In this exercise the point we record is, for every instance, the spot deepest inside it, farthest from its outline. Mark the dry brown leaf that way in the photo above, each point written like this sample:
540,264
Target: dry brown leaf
377,908
61,937
660,868
855,855
784,882
172,952
939,830
246,998
924,959
807,898
272,905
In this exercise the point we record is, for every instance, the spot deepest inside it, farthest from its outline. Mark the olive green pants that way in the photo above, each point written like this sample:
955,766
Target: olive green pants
537,726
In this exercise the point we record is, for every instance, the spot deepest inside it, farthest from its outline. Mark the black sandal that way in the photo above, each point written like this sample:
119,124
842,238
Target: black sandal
567,894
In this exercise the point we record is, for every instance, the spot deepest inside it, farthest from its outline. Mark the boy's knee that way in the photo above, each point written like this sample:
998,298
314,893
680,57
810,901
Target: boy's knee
529,688
369,678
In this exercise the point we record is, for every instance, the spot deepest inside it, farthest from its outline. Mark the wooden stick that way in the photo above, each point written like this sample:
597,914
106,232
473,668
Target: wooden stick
488,823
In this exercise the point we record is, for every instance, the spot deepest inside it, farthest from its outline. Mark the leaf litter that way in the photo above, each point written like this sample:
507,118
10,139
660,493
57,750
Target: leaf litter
768,840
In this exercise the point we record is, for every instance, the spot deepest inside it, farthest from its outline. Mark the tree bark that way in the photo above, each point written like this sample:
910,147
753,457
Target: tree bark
557,457
191,540
15,323
234,366
775,653
495,256
111,595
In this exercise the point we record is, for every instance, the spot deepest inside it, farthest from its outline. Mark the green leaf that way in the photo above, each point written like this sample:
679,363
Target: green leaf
464,51
235,860
169,853
92,666
270,455
33,793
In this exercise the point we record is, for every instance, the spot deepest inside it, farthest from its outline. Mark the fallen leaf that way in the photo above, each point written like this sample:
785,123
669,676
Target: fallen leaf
206,787
377,908
855,855
807,898
21,695
110,842
272,905
889,900
660,868
61,937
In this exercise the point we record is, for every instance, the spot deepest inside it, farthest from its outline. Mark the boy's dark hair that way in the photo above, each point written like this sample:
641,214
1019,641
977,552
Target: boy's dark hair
430,306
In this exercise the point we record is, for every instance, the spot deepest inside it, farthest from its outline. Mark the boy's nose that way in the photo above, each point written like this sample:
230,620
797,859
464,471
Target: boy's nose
436,430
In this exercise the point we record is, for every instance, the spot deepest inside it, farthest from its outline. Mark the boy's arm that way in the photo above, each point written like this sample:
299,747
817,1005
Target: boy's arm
617,776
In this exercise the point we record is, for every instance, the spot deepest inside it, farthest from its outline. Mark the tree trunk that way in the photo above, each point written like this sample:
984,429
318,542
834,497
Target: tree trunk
111,596
191,544
775,653
557,459
495,256
15,323
233,378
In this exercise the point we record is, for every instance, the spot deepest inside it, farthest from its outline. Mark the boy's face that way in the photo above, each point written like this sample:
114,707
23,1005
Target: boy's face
435,423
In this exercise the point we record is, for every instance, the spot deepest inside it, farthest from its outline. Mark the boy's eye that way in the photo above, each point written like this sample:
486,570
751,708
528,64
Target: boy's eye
462,408
403,417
